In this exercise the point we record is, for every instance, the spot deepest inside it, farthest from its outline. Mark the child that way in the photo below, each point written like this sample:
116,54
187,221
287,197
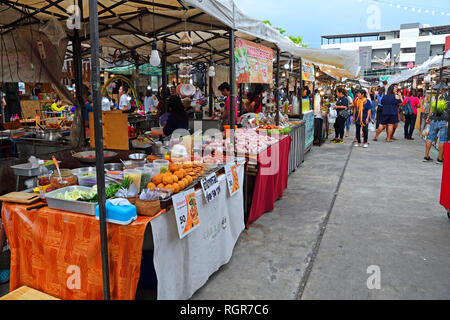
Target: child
361,116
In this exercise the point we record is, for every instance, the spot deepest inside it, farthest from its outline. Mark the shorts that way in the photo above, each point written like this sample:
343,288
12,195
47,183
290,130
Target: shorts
438,127
389,119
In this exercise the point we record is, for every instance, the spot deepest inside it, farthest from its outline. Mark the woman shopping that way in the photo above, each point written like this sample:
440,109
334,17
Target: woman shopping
341,108
389,117
411,104
361,116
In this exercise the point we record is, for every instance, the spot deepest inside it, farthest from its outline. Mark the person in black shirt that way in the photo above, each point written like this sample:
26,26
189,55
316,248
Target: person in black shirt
178,119
339,126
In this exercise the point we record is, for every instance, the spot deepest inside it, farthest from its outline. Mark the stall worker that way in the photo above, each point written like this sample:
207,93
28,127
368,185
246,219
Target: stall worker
178,118
225,89
57,105
124,104
37,89
255,100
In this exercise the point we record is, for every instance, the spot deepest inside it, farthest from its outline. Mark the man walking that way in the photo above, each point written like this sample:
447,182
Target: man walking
438,125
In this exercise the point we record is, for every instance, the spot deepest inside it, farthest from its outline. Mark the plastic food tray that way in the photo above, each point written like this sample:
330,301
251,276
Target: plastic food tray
70,205
25,170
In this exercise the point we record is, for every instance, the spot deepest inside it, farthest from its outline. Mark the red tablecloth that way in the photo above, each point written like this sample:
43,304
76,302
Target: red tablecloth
271,180
445,188
51,248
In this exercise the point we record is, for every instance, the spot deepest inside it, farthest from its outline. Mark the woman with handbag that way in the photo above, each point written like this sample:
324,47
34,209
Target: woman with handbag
410,118
362,115
343,114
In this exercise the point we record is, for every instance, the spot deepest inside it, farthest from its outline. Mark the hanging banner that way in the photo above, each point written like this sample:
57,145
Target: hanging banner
308,72
186,212
253,62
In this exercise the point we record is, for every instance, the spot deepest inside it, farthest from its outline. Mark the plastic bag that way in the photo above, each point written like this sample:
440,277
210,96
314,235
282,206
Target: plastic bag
333,116
371,127
426,131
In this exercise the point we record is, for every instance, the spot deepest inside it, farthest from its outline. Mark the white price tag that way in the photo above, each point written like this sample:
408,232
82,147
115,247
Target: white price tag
210,187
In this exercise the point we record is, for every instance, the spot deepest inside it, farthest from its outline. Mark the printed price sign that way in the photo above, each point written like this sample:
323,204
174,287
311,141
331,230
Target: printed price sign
210,187
186,212
232,178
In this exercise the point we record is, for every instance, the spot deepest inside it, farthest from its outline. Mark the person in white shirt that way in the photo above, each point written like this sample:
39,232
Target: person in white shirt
124,104
150,102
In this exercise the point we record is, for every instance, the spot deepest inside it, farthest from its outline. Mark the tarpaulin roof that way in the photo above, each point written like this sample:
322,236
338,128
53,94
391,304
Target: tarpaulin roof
432,63
128,25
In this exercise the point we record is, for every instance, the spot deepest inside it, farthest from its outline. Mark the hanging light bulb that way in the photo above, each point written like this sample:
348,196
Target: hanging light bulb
286,66
155,60
212,70
149,88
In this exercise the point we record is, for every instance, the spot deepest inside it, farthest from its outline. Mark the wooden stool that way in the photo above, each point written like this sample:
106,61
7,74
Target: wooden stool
26,293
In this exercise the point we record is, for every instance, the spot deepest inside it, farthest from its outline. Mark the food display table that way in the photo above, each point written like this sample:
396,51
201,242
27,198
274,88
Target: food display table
183,266
49,246
271,178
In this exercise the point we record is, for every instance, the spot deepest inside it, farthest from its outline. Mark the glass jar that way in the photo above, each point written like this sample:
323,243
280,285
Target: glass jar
67,179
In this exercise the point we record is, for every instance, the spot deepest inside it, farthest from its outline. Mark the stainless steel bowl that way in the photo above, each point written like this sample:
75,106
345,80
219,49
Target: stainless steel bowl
113,166
137,156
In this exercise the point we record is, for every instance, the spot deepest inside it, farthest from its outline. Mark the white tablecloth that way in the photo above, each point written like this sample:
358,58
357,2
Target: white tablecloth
183,266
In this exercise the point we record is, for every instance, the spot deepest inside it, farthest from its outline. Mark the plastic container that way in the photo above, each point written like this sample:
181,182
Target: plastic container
146,177
43,179
134,175
160,166
122,215
67,179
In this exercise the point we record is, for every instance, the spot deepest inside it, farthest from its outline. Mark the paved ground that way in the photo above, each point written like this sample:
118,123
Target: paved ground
316,246
344,210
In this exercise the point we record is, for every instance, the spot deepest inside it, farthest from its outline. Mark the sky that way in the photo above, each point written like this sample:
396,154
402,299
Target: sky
315,18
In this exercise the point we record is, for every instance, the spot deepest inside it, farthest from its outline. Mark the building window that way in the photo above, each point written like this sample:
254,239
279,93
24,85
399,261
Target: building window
408,50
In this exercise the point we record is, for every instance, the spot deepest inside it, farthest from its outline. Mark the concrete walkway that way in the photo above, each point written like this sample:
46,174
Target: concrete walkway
324,234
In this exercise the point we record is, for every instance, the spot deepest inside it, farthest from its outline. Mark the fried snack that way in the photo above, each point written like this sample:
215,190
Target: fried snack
168,179
173,167
151,185
157,179
175,178
161,186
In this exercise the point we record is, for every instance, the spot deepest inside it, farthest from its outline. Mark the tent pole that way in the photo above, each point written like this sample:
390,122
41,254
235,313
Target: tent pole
301,91
95,83
232,85
164,76
277,89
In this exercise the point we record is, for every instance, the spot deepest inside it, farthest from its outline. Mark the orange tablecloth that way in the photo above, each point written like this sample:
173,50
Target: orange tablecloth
46,244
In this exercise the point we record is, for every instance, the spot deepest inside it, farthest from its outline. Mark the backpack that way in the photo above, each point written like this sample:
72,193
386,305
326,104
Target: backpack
407,109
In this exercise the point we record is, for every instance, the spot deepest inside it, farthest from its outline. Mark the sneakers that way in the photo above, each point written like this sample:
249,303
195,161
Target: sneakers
334,140
427,159
439,161
366,145
356,145
340,142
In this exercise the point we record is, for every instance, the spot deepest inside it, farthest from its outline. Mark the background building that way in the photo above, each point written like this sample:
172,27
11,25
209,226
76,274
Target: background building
385,53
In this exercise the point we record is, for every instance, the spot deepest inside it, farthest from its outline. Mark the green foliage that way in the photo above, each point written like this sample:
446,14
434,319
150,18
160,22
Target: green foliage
296,40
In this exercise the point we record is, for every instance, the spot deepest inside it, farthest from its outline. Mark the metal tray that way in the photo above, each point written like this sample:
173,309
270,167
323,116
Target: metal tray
25,170
69,205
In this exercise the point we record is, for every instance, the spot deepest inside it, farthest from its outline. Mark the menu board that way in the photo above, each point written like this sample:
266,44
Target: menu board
232,178
308,72
186,212
309,128
253,62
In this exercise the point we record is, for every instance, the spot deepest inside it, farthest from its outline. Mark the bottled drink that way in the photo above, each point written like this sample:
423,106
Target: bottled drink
43,179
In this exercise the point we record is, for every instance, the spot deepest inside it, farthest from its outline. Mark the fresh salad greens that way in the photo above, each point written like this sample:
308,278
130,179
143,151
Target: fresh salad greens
92,195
